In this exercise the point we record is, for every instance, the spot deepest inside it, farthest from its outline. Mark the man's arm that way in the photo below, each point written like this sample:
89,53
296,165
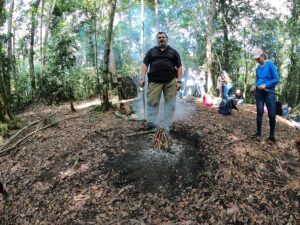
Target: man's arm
179,73
144,72
179,77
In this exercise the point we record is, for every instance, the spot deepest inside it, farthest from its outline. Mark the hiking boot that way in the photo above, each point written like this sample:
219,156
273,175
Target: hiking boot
272,139
151,126
256,135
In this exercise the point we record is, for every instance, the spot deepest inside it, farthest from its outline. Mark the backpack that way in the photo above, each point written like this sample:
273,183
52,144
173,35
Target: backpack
225,107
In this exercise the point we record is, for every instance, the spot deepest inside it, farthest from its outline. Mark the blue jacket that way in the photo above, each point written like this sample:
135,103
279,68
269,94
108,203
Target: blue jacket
267,75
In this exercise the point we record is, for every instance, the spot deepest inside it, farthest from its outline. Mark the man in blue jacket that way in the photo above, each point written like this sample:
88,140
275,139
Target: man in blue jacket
266,80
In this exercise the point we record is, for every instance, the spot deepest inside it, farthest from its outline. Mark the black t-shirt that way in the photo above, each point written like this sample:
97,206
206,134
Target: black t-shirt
163,64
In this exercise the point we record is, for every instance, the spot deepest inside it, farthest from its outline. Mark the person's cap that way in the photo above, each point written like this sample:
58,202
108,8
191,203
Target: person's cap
238,91
257,53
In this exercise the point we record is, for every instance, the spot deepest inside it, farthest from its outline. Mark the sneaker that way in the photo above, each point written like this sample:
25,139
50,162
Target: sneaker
272,139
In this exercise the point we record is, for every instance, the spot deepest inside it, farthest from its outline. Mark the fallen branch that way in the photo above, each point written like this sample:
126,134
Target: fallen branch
139,133
234,141
20,131
129,118
5,151
56,122
279,183
16,134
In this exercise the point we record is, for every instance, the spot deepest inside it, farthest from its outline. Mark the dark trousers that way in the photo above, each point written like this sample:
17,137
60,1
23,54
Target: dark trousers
262,97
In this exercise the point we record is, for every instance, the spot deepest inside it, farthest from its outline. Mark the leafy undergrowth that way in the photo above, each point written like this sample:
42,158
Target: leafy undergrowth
91,170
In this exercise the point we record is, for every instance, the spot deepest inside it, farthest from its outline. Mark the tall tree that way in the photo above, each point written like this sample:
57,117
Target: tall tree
156,14
9,49
142,28
224,9
41,31
94,15
209,42
106,104
33,25
47,25
292,85
5,111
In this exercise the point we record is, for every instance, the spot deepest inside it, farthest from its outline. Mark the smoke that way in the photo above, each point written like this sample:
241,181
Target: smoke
163,115
139,107
183,110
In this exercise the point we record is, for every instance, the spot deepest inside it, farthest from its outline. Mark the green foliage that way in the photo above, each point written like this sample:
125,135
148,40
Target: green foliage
54,86
22,98
3,129
70,71
15,123
83,82
55,80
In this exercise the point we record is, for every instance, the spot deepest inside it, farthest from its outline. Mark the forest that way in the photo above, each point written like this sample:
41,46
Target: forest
54,51
88,166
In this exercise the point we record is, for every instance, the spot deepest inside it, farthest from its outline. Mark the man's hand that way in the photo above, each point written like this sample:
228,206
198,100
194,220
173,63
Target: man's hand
178,85
253,88
142,82
262,87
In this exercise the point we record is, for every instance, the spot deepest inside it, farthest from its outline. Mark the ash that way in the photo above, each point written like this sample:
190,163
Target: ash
151,169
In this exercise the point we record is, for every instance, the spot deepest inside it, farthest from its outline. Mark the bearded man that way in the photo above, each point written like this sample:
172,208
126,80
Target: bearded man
164,76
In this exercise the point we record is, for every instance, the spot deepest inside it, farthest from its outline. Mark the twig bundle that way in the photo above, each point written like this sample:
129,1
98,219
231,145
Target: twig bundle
162,140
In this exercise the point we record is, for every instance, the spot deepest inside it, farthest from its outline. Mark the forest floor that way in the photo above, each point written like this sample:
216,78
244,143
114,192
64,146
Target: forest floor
97,168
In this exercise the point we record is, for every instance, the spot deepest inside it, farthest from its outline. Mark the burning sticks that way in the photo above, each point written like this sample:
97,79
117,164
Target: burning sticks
162,139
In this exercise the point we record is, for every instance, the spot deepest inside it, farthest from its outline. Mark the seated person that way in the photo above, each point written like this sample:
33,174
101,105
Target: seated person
238,98
220,87
202,83
227,83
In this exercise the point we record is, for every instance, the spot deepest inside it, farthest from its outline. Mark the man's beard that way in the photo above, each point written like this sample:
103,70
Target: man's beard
162,44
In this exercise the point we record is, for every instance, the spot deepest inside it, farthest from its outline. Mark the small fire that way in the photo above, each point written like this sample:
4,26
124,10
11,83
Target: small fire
162,140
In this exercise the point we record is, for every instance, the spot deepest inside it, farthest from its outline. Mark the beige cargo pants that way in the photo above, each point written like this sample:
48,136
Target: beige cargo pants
169,90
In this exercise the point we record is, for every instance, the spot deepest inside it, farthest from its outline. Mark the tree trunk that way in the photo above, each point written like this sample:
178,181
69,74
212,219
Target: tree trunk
9,31
142,29
41,32
246,56
96,51
291,88
106,104
91,55
15,68
5,111
4,103
209,42
156,14
8,74
112,60
35,6
224,11
47,25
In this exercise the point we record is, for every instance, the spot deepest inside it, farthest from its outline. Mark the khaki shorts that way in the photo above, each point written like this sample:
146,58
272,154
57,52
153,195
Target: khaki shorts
169,90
